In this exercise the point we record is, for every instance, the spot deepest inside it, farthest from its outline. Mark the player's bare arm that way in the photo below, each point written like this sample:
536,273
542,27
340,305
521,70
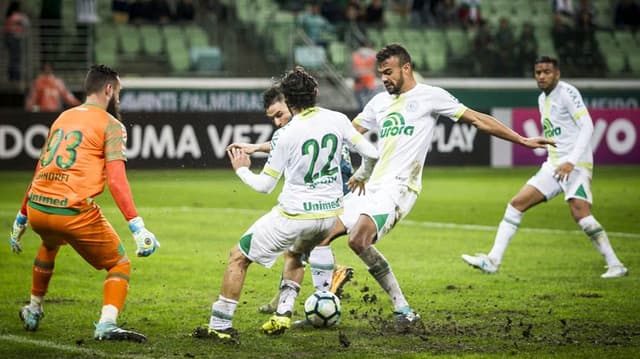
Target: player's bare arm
488,124
250,148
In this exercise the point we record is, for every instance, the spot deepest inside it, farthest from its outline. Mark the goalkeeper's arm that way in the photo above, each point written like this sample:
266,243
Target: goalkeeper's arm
146,241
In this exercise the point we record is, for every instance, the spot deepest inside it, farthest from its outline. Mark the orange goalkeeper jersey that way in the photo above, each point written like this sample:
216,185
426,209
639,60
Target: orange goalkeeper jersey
72,162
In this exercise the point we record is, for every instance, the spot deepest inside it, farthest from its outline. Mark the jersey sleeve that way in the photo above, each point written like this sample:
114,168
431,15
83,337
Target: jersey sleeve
366,118
572,100
445,104
115,141
357,140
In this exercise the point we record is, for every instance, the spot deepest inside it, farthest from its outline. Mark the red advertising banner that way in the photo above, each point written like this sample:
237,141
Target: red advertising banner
615,136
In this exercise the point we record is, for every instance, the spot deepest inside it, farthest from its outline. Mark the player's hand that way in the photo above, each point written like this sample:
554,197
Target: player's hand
238,158
145,240
356,184
248,148
538,142
562,172
17,230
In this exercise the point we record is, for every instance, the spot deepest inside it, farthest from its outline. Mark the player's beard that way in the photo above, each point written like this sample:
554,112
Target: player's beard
394,88
112,108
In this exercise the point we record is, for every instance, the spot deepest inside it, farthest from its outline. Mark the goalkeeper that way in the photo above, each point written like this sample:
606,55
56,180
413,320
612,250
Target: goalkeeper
85,147
326,275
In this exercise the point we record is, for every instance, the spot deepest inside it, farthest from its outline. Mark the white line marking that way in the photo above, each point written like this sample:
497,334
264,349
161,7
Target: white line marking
456,226
63,347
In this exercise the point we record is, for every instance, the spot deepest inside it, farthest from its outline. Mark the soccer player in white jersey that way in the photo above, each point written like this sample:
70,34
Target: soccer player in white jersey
568,169
324,272
404,117
307,152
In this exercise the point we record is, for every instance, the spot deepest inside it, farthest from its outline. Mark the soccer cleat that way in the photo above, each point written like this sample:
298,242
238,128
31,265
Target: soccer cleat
31,317
225,335
276,325
110,331
302,323
615,271
270,307
340,277
408,321
481,261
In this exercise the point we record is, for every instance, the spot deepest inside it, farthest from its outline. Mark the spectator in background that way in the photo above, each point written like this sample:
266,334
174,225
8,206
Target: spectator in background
185,11
446,13
527,49
484,50
160,12
505,47
315,25
585,41
50,29
47,93
139,11
120,11
564,11
563,40
627,14
352,30
374,14
469,12
16,26
332,10
363,65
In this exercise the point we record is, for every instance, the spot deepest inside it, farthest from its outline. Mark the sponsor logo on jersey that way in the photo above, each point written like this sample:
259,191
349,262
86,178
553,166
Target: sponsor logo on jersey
549,130
394,125
322,206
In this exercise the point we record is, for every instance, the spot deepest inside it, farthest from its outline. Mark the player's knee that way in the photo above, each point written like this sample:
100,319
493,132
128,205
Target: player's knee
238,259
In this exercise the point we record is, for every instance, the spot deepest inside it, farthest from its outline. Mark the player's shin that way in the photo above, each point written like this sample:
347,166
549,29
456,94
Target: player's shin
506,230
381,271
599,238
222,313
42,270
115,288
321,262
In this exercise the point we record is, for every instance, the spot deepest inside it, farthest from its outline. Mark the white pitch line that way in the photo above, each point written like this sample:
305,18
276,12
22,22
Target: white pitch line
63,347
456,226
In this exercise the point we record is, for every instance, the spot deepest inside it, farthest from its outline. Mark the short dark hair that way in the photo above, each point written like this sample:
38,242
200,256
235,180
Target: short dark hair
547,60
393,50
97,77
299,88
271,95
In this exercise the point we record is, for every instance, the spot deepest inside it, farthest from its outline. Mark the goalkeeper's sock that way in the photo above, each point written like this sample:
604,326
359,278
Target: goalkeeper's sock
321,262
36,301
42,270
599,238
506,230
381,271
222,313
288,293
116,285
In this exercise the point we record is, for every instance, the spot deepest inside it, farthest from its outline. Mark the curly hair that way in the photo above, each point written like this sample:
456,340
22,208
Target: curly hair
299,88
393,50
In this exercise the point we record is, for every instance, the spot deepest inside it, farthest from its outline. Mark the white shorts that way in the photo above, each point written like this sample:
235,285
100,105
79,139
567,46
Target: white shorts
577,186
385,206
273,233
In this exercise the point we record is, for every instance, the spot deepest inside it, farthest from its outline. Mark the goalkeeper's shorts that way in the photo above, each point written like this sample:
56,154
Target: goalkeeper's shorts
88,232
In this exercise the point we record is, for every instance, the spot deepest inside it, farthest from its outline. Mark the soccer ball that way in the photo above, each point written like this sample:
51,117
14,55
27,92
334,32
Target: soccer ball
322,309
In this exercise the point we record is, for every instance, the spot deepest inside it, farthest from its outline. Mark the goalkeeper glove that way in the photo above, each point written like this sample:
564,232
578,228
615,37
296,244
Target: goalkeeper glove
17,230
145,240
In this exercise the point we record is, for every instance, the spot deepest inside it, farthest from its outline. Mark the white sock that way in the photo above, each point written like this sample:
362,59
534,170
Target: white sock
36,301
222,313
599,238
506,230
321,262
381,271
109,314
288,293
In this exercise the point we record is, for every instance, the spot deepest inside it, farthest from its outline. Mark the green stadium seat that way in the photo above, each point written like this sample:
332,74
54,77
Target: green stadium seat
196,35
616,62
392,34
310,57
152,43
178,56
458,42
436,61
105,52
338,53
129,36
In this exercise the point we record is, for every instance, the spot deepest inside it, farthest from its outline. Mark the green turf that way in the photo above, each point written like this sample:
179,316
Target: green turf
547,301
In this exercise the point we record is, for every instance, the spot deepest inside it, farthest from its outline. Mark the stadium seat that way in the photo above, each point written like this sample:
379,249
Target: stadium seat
196,35
310,57
152,43
338,54
129,39
458,42
616,62
206,59
178,56
436,61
